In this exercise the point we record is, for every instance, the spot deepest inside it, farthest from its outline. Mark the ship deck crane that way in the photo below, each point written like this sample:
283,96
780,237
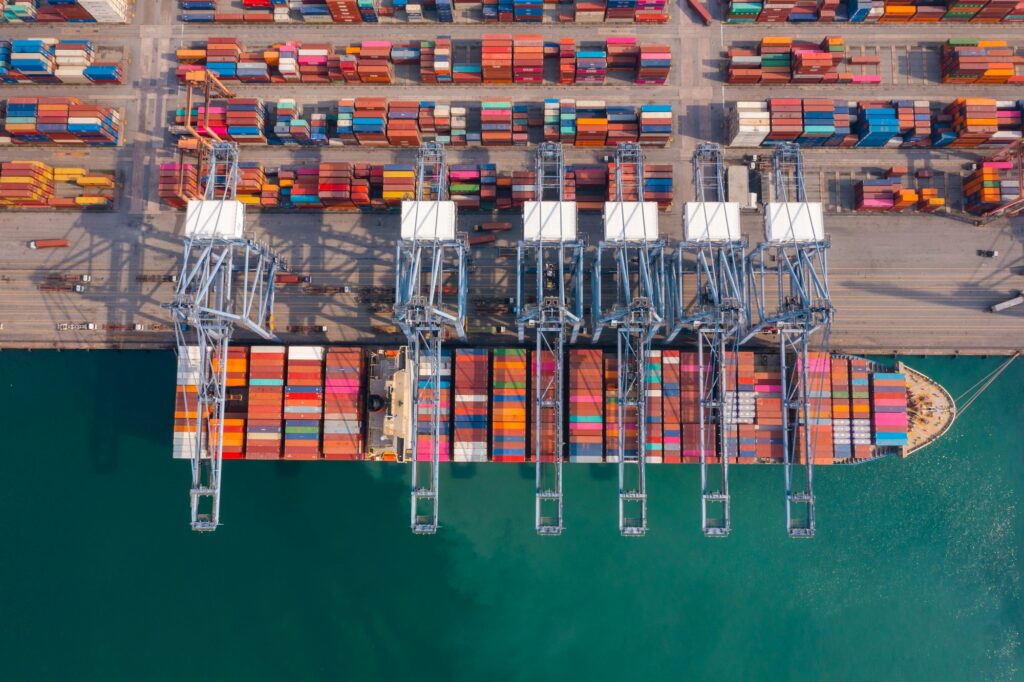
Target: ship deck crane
226,282
788,289
712,259
636,309
429,251
549,300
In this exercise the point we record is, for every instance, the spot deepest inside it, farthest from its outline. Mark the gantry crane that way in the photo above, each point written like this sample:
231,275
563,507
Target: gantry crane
636,310
429,251
712,259
788,289
549,300
226,282
199,142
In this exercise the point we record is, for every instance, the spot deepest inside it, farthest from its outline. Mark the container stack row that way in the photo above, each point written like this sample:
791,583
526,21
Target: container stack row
343,404
672,415
992,185
186,396
56,11
885,194
969,60
842,416
876,11
586,406
53,62
508,405
34,185
264,433
964,123
58,120
371,187
498,59
818,377
740,404
236,399
860,405
372,11
889,408
779,60
431,400
303,402
472,387
655,408
769,439
542,369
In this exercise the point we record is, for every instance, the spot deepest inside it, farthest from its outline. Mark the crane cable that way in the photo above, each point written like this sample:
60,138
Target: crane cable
975,391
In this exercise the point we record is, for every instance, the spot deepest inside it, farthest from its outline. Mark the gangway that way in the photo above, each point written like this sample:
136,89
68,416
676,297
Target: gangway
226,282
788,295
430,252
708,299
636,310
549,301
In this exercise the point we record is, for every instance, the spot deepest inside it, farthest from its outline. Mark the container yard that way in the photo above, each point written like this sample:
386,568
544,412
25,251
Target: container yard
375,315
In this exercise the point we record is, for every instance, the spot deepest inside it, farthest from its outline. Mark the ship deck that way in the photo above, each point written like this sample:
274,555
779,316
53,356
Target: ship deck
931,410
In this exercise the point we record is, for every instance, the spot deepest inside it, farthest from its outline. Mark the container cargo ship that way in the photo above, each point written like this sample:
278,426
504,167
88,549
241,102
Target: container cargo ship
352,403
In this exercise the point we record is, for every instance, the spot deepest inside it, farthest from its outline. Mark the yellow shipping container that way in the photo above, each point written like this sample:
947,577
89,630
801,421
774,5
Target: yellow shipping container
96,181
92,201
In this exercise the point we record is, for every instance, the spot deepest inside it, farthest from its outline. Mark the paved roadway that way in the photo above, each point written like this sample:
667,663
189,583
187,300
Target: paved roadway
912,283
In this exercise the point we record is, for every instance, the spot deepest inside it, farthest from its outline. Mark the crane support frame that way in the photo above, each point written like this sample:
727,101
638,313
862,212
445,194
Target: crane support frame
425,315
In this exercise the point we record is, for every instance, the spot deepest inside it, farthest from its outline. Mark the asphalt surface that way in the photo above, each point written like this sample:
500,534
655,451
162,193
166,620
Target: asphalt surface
910,283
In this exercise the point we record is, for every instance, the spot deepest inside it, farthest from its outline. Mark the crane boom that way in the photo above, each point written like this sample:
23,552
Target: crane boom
226,281
637,311
712,260
430,260
549,300
792,262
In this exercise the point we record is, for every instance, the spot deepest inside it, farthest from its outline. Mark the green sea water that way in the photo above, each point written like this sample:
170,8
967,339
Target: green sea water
915,572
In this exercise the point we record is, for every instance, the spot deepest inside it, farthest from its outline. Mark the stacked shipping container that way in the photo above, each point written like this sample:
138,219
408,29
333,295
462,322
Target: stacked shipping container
429,401
508,405
965,123
266,402
586,406
852,409
303,402
889,408
472,379
343,404
33,184
185,404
